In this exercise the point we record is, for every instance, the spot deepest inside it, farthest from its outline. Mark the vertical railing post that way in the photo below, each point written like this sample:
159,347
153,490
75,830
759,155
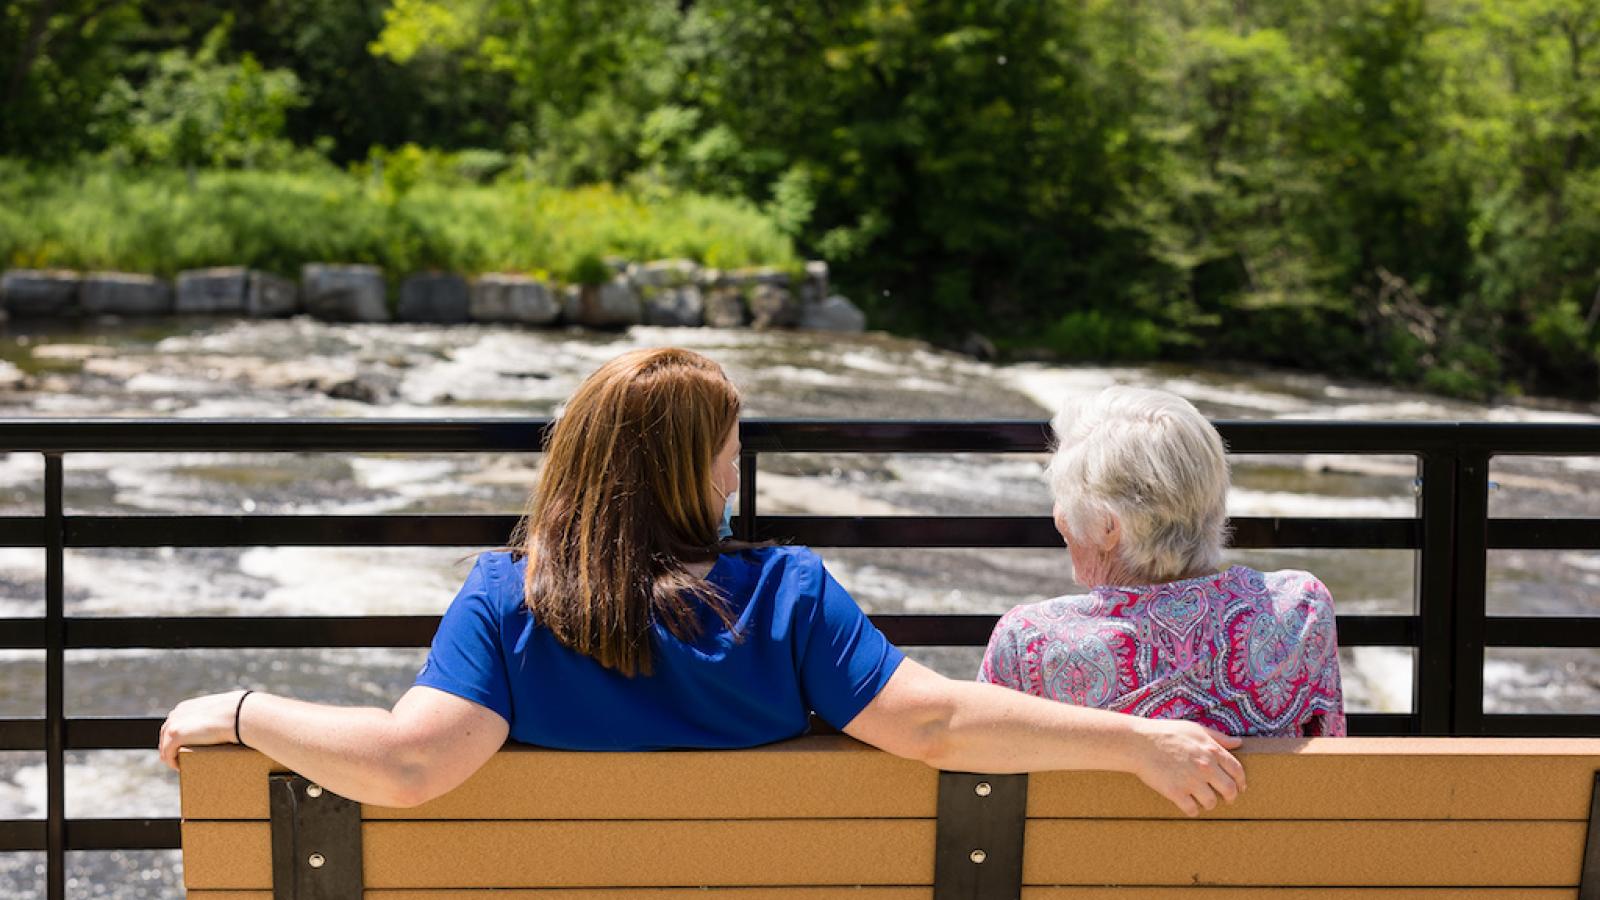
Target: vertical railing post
747,496
1471,588
1434,697
54,681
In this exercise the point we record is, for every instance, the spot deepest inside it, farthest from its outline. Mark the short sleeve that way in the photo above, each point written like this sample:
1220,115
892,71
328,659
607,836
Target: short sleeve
466,659
1326,714
1001,662
846,660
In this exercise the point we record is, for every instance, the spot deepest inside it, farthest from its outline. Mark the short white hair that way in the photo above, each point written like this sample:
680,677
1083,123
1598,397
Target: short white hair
1153,461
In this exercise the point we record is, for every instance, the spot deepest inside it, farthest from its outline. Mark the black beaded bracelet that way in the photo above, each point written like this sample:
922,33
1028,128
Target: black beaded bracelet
236,710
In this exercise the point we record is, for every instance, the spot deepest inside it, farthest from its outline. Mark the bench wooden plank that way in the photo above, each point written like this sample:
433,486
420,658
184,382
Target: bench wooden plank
463,854
1511,854
927,894
836,777
825,777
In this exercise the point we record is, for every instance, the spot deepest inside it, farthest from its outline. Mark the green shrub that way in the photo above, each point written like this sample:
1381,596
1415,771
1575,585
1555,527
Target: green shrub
413,217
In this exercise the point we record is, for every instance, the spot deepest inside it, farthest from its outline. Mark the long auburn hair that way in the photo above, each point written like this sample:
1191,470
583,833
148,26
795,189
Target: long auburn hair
624,502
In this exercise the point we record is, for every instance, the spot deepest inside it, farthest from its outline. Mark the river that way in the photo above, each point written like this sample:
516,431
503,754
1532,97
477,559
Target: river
298,367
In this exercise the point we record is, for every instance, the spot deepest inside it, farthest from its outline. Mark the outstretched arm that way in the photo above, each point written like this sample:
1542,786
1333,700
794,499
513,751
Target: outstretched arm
428,744
971,727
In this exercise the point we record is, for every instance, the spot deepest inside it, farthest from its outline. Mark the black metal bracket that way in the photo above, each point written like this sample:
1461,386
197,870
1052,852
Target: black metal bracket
1589,881
978,847
316,841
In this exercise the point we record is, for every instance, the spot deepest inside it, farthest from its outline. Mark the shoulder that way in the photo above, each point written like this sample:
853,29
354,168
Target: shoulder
1033,618
788,562
1296,587
497,578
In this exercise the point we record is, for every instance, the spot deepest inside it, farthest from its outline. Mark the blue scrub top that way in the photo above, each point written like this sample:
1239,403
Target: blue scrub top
805,645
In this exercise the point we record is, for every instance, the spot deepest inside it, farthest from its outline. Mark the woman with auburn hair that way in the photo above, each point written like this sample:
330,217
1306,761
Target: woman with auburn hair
626,619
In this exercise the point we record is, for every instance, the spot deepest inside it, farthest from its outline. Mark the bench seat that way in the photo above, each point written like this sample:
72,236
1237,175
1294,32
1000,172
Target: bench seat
824,816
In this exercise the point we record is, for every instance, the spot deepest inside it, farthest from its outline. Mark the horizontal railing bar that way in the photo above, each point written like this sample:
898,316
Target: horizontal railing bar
22,734
1542,631
321,632
123,834
760,435
1544,534
23,634
17,835
429,530
93,834
1382,724
1542,725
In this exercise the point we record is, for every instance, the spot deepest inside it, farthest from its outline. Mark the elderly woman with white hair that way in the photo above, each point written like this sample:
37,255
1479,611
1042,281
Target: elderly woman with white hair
1140,482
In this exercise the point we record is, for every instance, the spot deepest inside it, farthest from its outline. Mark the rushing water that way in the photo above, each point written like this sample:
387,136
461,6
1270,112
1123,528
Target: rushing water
303,368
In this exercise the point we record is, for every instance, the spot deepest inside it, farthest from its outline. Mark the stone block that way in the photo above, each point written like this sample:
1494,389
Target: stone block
344,293
772,306
665,273
682,306
513,298
833,314
614,304
268,296
434,297
213,291
40,292
124,294
725,307
814,288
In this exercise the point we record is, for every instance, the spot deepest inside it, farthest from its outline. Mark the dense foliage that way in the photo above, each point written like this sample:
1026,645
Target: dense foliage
1407,189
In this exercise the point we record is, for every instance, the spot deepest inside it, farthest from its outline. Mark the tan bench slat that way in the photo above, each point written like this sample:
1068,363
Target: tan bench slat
1329,786
1420,854
822,777
639,894
917,893
463,854
1300,892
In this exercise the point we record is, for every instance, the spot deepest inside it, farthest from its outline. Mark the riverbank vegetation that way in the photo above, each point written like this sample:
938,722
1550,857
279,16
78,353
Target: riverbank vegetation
1401,189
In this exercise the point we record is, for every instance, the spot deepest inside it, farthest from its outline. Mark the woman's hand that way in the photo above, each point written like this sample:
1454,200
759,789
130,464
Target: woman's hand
198,722
1189,764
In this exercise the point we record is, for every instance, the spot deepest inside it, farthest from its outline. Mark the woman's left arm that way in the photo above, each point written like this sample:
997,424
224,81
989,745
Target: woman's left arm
428,744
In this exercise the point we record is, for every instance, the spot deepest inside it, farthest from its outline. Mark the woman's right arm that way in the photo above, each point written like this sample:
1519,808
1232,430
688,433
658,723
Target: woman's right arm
965,726
428,744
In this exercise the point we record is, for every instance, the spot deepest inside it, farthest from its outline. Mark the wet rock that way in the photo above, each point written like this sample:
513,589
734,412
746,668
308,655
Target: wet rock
725,307
267,296
513,298
368,387
13,378
758,275
814,288
614,304
124,294
40,292
979,347
339,293
772,306
664,273
220,290
673,306
434,297
833,314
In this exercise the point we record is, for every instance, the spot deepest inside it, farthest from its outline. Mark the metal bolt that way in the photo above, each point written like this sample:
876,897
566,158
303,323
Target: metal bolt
317,860
982,789
313,791
978,856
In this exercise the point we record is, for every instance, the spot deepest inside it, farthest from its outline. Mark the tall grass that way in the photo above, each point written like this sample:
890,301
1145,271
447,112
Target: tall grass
96,216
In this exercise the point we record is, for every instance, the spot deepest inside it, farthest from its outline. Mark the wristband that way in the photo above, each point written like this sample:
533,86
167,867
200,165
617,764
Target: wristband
236,710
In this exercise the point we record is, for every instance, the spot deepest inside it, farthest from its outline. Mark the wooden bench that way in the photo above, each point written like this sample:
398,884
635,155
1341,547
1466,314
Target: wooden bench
1367,818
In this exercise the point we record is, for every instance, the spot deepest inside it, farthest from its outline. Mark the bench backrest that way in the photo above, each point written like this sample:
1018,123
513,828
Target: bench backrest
1377,818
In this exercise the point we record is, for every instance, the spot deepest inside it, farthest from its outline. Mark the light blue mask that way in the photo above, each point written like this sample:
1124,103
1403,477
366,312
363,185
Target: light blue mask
725,530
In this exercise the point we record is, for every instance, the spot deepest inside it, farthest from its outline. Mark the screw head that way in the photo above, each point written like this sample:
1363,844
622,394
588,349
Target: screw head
317,860
978,856
313,791
982,789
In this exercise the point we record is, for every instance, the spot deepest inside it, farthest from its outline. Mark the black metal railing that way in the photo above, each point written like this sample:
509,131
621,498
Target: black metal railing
1451,535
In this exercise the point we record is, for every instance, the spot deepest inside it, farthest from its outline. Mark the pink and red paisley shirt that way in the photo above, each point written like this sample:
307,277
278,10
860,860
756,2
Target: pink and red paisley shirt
1244,652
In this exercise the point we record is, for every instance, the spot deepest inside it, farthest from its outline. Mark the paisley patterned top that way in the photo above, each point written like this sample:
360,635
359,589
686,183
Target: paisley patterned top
1244,652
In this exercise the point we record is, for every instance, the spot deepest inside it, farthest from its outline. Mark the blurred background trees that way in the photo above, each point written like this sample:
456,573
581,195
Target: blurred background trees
1401,189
